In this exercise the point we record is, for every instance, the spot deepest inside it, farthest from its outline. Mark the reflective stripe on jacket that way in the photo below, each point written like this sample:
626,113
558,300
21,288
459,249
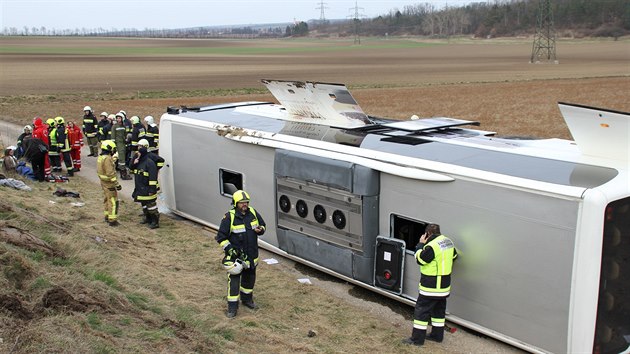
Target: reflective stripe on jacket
436,265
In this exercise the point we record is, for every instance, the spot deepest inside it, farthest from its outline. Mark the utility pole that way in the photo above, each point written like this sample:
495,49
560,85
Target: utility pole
544,47
322,6
356,18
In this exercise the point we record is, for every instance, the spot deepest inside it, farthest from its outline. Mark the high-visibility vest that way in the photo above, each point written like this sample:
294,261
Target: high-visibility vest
440,267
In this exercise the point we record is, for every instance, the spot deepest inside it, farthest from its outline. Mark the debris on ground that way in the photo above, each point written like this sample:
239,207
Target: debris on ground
60,192
14,183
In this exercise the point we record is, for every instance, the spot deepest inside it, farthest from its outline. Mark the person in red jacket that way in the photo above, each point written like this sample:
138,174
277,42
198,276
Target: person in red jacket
75,138
40,131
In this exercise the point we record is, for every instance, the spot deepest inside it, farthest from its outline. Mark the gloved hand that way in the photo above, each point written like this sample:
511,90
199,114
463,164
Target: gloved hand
245,259
230,251
119,187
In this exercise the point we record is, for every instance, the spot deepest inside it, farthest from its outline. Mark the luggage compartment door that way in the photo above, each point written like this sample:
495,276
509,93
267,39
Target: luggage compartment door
389,265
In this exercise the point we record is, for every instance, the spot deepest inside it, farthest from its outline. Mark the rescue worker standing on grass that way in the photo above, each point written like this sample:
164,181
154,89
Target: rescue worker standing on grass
435,255
238,235
106,170
145,184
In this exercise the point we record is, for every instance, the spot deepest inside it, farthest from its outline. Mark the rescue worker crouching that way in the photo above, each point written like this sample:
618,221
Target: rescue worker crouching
106,170
238,236
145,184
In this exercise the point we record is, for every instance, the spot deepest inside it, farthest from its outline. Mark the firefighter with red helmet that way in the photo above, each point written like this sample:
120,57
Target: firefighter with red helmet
238,235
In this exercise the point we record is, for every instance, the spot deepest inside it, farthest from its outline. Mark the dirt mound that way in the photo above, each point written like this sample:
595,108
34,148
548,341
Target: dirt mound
15,307
59,299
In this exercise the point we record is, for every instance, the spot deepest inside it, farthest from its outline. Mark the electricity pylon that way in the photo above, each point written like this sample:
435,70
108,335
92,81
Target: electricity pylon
544,47
356,18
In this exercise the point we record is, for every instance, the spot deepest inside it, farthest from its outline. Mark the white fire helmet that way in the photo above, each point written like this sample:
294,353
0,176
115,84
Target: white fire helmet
148,120
232,267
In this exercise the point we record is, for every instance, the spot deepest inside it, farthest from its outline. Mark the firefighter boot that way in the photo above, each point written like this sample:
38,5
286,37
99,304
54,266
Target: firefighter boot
437,334
70,172
232,309
248,301
124,173
417,337
154,221
145,217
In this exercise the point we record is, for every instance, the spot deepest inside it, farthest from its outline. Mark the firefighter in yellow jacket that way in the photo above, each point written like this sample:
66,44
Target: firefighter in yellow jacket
435,255
106,170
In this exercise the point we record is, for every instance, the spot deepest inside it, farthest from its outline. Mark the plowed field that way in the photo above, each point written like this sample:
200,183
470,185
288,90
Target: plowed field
492,82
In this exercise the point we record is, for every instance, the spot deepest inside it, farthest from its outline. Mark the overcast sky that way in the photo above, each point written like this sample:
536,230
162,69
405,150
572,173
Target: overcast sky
158,14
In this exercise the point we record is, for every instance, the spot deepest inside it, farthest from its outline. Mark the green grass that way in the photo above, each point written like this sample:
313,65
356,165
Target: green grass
96,323
37,256
62,262
40,283
108,279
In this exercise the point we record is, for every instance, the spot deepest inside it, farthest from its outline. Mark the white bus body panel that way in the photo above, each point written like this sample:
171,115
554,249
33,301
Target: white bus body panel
530,249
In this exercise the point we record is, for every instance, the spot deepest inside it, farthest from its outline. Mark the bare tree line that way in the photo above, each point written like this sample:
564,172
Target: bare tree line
479,19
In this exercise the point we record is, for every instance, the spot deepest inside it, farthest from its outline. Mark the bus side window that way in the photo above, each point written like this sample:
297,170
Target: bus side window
407,229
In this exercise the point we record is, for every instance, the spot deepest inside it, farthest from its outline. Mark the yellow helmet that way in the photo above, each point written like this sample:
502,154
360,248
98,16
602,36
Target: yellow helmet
108,145
59,120
50,122
240,196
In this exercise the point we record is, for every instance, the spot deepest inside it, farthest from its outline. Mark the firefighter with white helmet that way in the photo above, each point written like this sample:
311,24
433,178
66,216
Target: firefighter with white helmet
106,170
102,123
152,134
90,130
27,132
118,134
238,235
137,132
145,184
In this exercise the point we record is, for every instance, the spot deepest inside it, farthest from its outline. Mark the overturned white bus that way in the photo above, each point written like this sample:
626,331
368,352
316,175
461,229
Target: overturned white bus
542,226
